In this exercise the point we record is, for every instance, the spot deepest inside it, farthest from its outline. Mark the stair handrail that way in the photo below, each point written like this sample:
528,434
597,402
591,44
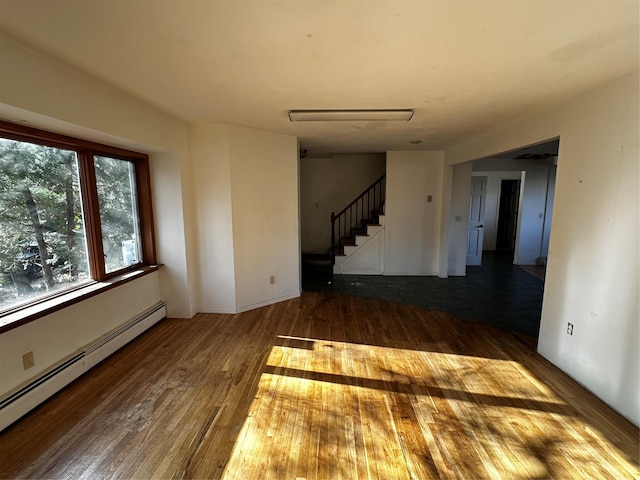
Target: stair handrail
379,186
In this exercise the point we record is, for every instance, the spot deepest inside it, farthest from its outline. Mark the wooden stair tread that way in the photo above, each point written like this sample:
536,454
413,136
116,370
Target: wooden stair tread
353,220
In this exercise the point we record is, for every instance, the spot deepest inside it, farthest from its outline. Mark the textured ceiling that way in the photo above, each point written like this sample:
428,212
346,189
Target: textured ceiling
462,65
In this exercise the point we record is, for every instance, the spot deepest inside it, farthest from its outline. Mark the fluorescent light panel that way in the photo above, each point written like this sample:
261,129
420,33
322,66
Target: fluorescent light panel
349,115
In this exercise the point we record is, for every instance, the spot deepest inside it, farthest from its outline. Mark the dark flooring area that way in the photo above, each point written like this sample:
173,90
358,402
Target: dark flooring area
498,292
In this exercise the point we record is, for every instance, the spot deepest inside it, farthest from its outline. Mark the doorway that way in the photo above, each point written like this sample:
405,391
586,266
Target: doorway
508,215
518,202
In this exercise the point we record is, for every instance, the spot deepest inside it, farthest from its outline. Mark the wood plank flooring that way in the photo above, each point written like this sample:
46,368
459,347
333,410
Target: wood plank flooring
324,386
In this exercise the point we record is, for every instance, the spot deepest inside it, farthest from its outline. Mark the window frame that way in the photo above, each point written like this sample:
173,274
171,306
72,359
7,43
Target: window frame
85,151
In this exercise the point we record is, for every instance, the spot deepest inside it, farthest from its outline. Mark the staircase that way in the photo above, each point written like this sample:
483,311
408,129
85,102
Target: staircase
357,233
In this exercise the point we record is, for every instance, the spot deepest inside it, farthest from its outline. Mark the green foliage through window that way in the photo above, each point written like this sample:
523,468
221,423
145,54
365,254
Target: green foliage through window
42,235
115,180
70,213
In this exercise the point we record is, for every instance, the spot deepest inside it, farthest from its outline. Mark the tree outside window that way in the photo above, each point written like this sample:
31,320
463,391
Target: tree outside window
68,216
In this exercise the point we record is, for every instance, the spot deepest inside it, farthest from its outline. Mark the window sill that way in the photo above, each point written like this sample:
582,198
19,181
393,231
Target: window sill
46,307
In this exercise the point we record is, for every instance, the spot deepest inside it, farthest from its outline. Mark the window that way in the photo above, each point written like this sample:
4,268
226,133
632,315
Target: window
71,212
120,225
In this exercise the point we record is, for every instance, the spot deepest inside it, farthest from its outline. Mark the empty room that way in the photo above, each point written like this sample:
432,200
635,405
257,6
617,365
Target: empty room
323,239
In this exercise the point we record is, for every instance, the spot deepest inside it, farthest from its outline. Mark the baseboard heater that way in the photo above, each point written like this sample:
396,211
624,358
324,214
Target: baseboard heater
23,399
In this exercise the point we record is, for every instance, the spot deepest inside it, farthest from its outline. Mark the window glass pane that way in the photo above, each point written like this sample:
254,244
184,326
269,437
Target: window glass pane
43,245
118,202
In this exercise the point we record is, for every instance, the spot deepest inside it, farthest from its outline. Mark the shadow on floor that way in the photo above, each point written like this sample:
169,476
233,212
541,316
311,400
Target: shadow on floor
497,293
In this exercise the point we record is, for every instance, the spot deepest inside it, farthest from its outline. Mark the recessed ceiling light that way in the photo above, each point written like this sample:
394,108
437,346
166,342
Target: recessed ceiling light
349,115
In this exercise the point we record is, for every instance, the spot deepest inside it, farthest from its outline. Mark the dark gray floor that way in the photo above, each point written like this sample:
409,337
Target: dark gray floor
498,292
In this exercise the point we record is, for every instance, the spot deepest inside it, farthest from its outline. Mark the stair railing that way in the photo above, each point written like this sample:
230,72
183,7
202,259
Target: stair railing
354,217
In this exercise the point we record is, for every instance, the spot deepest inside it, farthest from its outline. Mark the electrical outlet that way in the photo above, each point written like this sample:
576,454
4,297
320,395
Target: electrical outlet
272,279
570,328
27,360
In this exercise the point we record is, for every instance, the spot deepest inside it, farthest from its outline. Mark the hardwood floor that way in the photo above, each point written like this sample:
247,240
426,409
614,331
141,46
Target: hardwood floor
324,386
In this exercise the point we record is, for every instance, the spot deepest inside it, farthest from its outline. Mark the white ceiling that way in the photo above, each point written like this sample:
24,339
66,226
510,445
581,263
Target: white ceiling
462,65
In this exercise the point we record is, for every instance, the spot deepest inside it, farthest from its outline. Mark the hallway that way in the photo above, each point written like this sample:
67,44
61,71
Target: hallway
497,293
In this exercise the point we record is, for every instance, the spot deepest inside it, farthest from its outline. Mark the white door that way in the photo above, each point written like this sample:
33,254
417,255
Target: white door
476,220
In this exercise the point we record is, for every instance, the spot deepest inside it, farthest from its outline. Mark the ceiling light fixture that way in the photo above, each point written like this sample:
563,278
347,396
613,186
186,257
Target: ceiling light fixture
349,115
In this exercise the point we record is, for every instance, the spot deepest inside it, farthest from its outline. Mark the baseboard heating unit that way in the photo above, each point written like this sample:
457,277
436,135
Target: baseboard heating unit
23,399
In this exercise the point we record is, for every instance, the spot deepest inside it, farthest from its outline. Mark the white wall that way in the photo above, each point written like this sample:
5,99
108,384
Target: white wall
592,274
412,223
245,198
328,184
548,214
264,197
458,221
172,250
531,214
210,165
60,334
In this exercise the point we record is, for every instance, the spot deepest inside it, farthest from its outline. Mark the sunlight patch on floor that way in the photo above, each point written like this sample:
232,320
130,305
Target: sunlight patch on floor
344,410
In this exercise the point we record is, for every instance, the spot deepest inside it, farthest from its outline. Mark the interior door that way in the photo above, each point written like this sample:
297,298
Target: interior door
476,220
